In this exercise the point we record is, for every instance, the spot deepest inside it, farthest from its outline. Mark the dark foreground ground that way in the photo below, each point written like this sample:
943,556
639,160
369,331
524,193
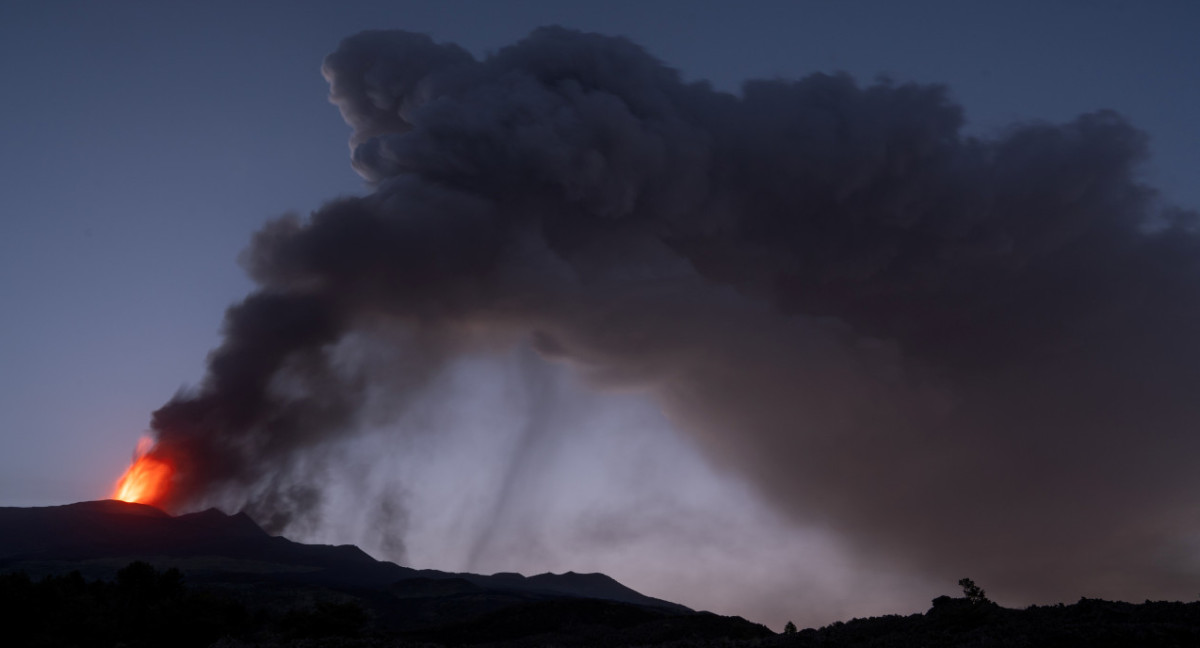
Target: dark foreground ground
101,574
143,606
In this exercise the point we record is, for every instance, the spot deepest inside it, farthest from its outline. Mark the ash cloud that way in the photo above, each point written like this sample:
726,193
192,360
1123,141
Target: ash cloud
966,356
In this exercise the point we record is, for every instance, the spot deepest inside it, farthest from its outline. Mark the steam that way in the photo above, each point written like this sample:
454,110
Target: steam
965,356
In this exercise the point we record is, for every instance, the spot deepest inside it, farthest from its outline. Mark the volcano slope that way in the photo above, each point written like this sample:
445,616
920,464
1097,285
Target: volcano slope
211,578
289,584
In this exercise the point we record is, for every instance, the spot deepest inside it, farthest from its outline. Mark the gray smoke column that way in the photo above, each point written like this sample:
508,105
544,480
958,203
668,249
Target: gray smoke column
965,356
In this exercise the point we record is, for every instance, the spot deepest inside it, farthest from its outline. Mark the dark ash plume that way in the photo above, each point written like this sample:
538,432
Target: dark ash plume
967,356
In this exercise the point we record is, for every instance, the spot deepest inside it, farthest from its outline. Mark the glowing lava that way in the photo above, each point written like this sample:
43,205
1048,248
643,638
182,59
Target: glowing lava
147,479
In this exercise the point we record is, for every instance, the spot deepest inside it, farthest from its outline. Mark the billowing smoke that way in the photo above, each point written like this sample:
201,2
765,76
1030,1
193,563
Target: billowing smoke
965,356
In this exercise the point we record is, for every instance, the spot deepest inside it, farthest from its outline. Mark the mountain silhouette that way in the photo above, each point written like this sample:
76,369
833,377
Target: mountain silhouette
100,531
232,555
191,580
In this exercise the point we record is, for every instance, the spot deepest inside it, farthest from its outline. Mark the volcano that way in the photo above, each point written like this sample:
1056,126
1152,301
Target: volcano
231,553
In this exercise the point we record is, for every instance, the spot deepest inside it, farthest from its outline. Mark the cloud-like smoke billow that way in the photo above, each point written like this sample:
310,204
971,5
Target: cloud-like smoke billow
966,356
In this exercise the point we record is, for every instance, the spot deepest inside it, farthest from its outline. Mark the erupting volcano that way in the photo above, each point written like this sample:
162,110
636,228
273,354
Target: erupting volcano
833,293
147,479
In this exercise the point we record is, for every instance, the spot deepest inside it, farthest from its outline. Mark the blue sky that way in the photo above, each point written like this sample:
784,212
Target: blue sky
143,143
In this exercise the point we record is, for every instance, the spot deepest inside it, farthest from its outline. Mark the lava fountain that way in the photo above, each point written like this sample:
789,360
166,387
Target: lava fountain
147,479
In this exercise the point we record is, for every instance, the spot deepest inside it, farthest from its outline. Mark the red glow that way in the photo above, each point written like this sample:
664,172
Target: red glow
147,479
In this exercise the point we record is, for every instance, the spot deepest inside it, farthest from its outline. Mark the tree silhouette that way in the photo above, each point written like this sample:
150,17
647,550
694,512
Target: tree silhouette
790,628
973,592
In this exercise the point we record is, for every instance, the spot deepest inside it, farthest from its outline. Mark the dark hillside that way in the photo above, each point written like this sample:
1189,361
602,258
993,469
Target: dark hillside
109,573
959,623
246,584
97,538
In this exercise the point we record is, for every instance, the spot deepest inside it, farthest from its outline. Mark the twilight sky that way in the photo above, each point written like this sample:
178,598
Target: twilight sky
143,145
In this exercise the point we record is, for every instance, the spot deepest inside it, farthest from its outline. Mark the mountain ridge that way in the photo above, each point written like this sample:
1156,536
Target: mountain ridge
267,590
110,529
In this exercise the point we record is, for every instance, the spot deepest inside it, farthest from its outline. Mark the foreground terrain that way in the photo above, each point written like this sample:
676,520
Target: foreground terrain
109,573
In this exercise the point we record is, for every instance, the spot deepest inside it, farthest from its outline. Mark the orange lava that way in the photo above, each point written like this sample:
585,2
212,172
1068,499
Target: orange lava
147,479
